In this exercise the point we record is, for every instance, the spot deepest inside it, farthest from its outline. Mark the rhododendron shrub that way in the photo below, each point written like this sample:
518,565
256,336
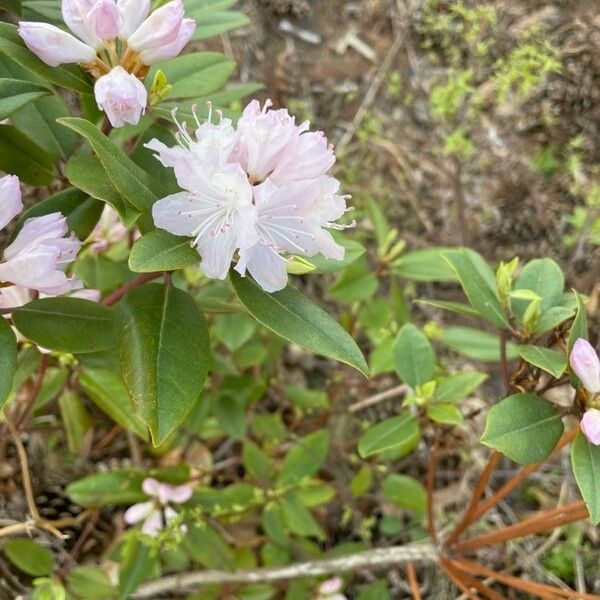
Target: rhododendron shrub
191,305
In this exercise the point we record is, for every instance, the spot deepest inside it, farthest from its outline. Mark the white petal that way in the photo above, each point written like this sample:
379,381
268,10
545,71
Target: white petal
138,512
153,524
151,486
217,253
265,265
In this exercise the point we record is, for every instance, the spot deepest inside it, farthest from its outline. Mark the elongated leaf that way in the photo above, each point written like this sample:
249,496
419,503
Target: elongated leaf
427,264
458,386
405,491
456,307
544,277
72,78
388,434
414,358
444,413
137,564
481,296
164,350
81,211
476,344
67,324
299,519
29,556
109,394
549,360
524,427
8,360
295,318
305,458
585,459
14,94
579,329
213,22
132,182
162,251
20,156
552,318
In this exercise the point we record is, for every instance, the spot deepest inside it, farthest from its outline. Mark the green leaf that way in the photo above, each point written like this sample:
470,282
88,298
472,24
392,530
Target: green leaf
476,344
231,414
456,307
138,563
132,182
160,250
67,324
213,22
355,283
427,264
256,462
552,318
579,328
20,156
195,74
82,212
29,556
108,392
164,350
8,360
305,458
352,252
544,277
87,173
90,583
15,93
234,330
299,519
12,6
476,286
458,386
295,318
585,459
405,491
549,360
414,358
12,45
444,413
75,418
207,547
524,427
388,434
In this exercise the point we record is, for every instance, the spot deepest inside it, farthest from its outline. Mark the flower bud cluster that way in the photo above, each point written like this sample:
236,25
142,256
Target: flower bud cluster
586,365
258,191
116,41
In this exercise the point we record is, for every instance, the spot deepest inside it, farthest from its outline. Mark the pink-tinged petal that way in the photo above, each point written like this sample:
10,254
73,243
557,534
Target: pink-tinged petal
153,524
590,426
217,253
169,157
586,365
170,514
159,29
151,486
172,49
87,294
10,199
133,13
138,512
76,15
265,265
121,96
104,19
174,213
53,45
331,586
181,493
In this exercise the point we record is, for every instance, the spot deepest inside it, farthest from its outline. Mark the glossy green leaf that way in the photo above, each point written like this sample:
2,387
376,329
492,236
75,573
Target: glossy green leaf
405,491
15,94
132,182
544,277
295,318
20,156
305,458
552,318
585,459
427,264
160,250
458,386
444,413
108,392
476,344
165,352
69,77
388,434
8,360
67,324
29,556
476,286
414,358
524,427
355,283
549,360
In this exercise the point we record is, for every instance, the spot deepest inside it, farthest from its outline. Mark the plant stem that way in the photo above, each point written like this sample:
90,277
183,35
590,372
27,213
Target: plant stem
130,285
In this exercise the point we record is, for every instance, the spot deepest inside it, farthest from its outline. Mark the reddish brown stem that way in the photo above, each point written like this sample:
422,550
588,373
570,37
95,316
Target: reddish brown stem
480,586
458,579
130,285
33,394
431,470
413,582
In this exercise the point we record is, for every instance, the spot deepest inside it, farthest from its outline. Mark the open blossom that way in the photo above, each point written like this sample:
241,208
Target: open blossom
586,365
259,192
145,38
10,199
121,96
157,513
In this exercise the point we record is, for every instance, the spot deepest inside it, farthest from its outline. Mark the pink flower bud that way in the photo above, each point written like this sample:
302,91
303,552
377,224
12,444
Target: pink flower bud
590,426
154,55
586,365
121,96
104,19
10,199
159,29
76,15
53,45
133,13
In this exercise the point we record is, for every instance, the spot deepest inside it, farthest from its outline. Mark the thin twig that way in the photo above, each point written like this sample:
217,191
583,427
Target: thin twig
376,398
130,285
457,578
504,361
431,469
33,394
413,581
376,558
